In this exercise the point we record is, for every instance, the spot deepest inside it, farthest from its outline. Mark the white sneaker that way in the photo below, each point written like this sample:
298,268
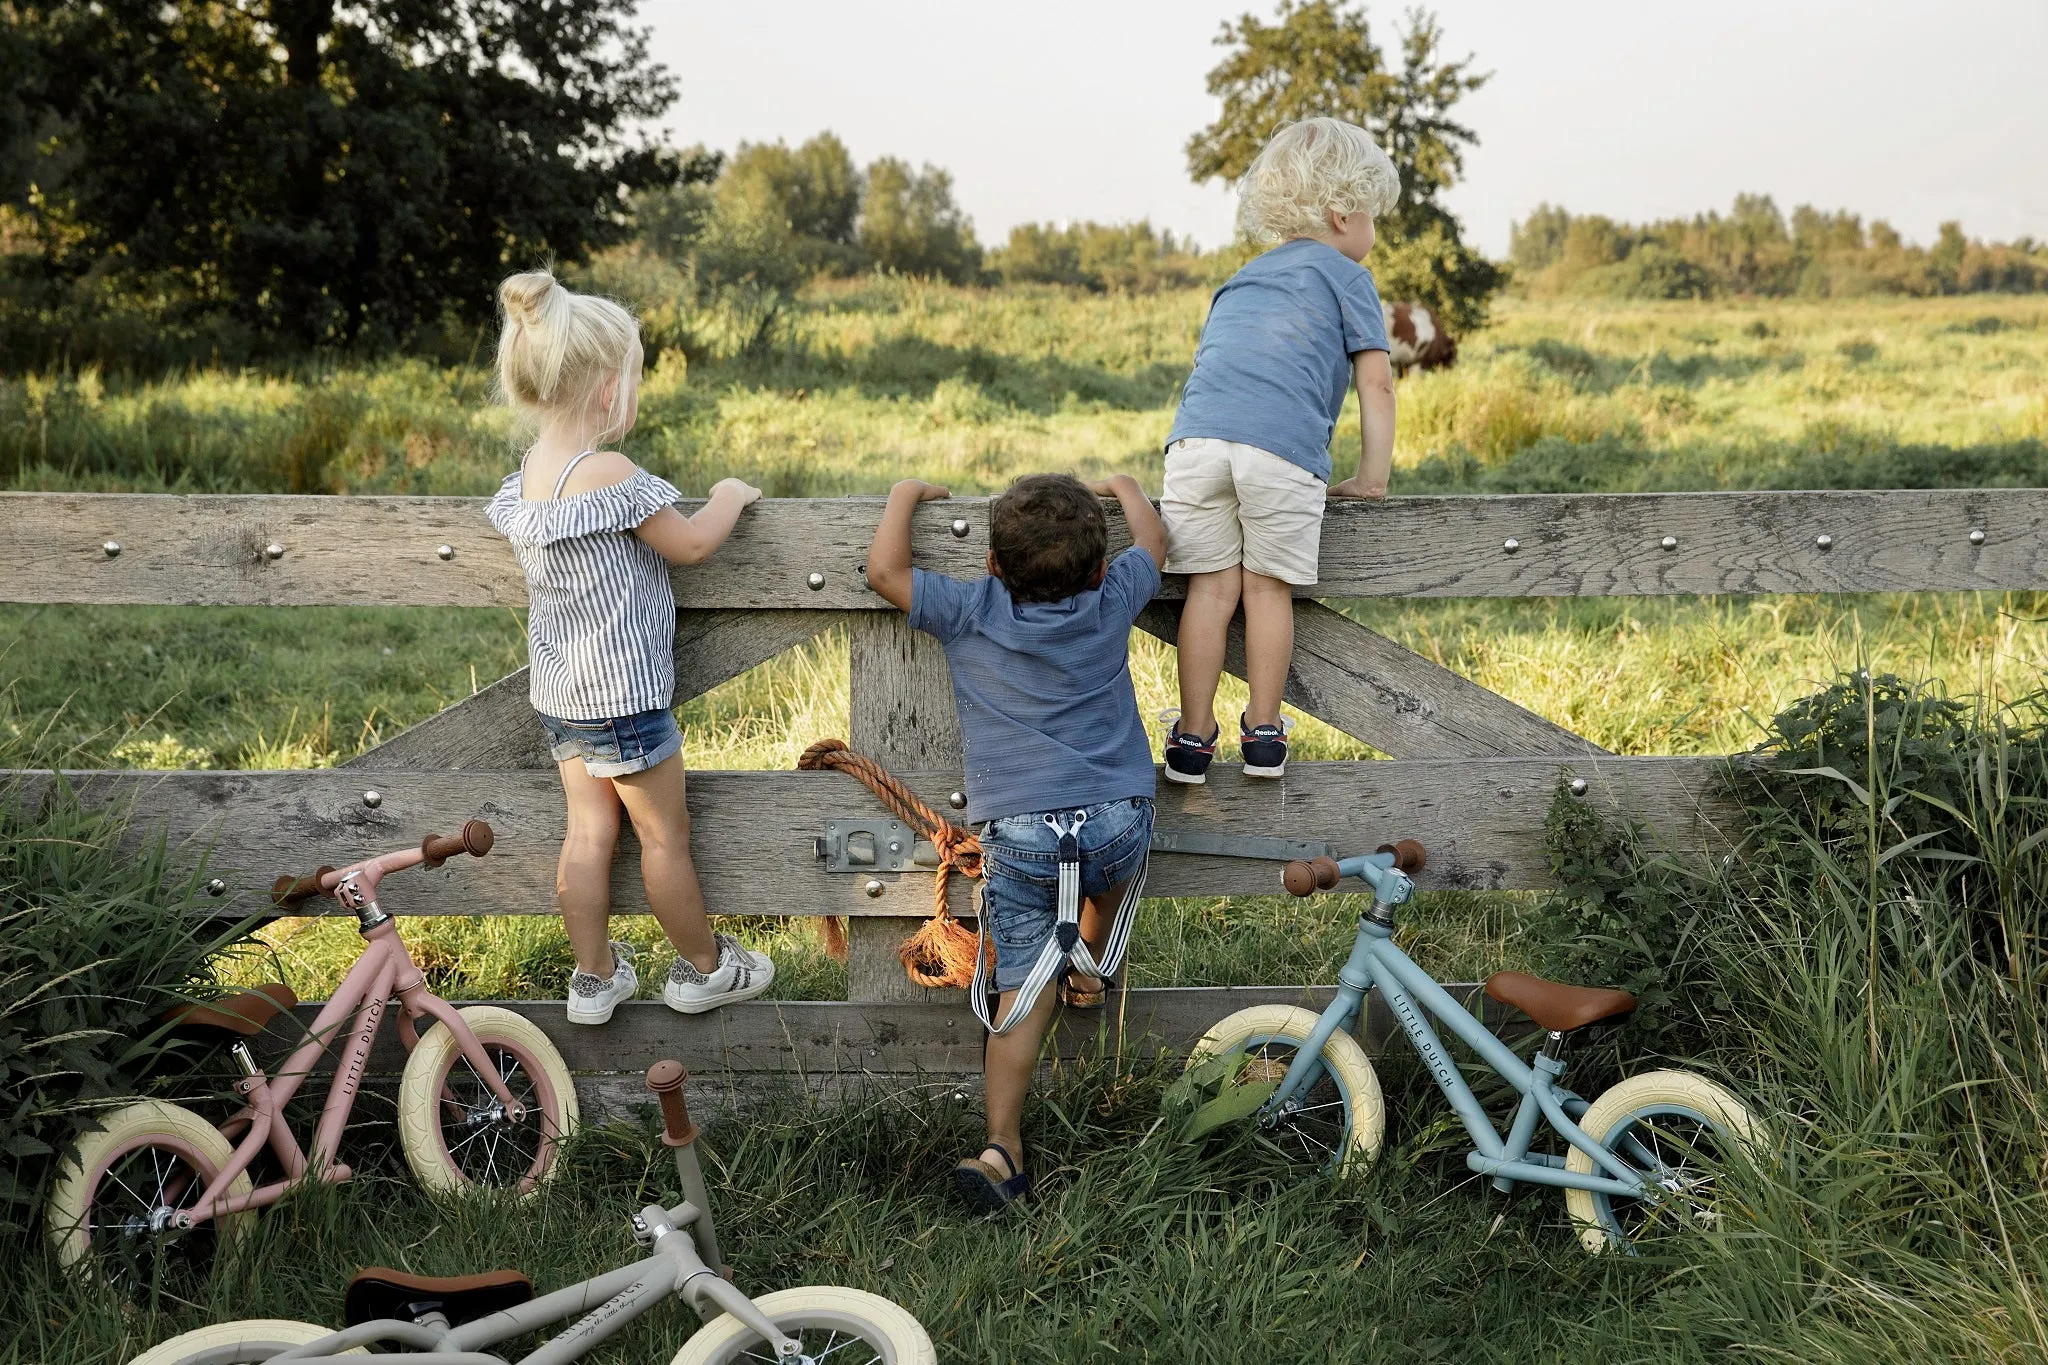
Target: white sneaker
592,998
741,974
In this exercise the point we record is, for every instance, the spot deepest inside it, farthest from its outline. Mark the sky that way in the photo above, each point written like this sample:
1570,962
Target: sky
1057,110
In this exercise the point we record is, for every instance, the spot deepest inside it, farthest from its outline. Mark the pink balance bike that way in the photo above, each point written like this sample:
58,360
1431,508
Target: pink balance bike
152,1195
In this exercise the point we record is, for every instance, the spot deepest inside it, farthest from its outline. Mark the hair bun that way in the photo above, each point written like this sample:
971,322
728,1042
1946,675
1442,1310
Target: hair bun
524,296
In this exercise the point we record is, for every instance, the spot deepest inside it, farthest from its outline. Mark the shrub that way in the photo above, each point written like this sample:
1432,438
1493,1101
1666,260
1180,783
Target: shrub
96,941
1623,917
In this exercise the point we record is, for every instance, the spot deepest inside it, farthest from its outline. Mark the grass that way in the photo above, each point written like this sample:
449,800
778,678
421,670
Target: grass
873,380
1895,1212
1893,1220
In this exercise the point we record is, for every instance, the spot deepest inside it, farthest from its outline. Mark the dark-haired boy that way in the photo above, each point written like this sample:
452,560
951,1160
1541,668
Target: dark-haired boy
1058,764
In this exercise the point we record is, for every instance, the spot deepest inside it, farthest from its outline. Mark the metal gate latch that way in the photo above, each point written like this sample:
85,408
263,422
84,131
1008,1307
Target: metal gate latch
857,845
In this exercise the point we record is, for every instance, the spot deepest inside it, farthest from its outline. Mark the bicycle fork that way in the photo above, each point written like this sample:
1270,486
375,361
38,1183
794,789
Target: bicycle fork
706,1287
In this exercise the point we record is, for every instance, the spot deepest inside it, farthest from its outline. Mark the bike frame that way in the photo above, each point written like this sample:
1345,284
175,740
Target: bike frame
385,969
606,1303
1413,995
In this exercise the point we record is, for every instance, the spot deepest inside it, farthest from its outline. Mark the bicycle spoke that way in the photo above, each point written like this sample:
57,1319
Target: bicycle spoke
486,1146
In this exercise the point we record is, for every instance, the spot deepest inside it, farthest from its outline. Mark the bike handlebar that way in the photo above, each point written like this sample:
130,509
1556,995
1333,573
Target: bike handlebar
1320,874
476,839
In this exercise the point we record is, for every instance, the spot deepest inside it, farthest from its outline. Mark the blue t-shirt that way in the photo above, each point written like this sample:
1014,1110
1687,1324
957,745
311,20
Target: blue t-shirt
1047,711
1274,362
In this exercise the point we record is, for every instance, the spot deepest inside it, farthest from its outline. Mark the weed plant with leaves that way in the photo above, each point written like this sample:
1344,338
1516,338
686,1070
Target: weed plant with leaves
97,938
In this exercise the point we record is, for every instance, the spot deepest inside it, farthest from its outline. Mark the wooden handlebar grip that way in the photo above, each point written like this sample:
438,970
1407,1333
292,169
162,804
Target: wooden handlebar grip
290,891
666,1079
1409,855
1319,873
476,839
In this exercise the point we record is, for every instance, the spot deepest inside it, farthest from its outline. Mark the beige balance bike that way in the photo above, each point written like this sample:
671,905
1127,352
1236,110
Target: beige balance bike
435,1321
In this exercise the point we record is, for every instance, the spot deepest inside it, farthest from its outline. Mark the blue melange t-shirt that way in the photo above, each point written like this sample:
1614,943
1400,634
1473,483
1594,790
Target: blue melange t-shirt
1274,362
1047,711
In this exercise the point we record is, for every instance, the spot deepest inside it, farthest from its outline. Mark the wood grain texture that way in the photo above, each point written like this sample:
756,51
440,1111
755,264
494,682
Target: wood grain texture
1387,695
900,713
753,832
496,729
895,1037
381,551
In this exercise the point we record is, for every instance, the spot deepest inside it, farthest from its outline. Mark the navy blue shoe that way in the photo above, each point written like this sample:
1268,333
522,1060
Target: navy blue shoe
1264,748
987,1188
1187,757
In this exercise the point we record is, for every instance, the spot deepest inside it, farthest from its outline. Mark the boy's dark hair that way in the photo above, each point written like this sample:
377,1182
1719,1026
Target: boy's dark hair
1049,536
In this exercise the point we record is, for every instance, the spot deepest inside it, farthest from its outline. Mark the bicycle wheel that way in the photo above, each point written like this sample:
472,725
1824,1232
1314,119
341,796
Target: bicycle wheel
455,1133
111,1209
233,1343
1339,1121
1677,1129
844,1326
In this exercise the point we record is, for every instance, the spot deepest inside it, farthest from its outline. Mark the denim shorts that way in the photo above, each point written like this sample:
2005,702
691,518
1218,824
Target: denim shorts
1020,868
614,748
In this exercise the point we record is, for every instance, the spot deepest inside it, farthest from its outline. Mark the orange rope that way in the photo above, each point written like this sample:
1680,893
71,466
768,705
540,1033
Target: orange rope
941,952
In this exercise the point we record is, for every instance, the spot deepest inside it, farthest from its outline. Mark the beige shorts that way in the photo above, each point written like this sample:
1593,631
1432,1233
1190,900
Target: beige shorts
1226,503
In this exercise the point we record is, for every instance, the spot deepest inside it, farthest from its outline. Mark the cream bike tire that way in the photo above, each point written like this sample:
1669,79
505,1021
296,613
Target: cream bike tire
1270,1035
143,1160
825,1318
445,1110
1670,1115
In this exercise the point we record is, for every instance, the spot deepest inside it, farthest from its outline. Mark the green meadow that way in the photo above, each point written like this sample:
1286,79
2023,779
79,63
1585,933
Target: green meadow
1898,1215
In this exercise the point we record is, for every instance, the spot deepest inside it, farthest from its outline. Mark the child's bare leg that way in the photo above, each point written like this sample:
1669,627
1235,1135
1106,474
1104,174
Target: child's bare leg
1204,633
1007,1068
1098,915
661,819
1268,644
1013,1056
583,876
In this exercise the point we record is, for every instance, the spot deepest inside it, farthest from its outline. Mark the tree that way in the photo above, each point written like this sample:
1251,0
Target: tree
1319,59
910,224
815,188
1538,240
334,174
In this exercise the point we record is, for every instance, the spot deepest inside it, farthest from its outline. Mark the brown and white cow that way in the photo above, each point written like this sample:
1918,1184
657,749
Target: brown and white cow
1419,339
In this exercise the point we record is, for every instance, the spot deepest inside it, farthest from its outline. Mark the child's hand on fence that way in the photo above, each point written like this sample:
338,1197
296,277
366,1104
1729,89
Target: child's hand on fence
926,492
736,488
1148,533
1356,488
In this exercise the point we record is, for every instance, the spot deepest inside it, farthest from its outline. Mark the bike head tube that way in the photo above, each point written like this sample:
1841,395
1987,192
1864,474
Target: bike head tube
1391,887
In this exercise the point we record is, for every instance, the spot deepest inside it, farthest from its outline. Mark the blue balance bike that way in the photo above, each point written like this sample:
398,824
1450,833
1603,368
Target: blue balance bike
1635,1160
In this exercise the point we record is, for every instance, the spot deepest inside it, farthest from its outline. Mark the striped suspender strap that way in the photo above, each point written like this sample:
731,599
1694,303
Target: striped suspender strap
1066,945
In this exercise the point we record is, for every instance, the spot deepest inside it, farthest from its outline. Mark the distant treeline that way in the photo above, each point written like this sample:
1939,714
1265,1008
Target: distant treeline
771,213
1755,250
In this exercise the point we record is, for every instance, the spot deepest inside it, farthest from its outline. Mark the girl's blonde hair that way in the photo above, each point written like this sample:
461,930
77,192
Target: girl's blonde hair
1308,169
557,346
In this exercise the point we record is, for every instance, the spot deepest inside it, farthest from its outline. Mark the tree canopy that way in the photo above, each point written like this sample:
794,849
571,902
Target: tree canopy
1320,60
325,173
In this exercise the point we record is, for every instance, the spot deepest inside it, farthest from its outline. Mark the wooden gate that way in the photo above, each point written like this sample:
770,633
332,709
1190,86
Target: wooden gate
1470,773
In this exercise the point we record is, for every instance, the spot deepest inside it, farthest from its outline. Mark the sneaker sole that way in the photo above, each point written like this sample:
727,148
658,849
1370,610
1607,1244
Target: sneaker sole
1279,771
1187,779
713,1002
604,1018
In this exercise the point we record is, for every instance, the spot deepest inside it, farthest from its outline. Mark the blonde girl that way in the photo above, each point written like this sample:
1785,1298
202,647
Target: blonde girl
595,534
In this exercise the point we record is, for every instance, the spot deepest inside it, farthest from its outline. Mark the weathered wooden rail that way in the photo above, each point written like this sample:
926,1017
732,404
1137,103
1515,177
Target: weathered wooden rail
1470,773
